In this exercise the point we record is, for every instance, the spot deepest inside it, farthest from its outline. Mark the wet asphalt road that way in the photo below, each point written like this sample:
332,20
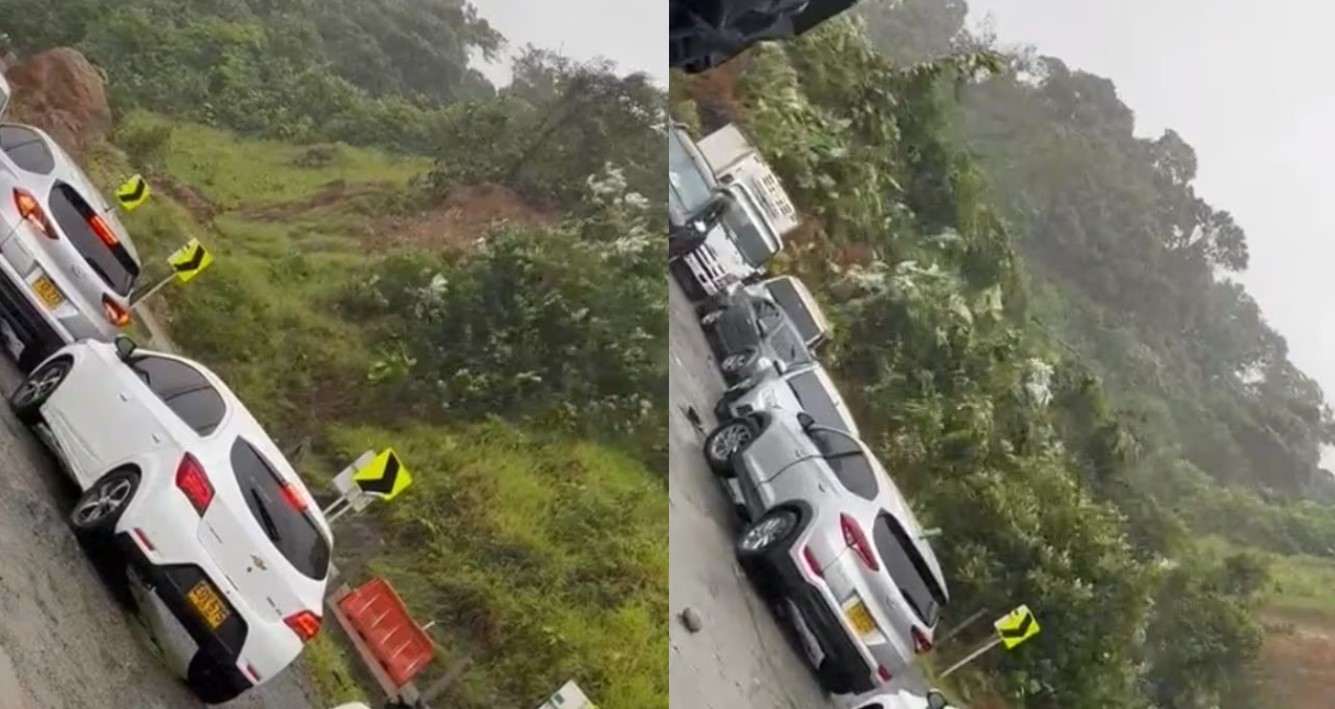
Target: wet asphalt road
65,643
740,659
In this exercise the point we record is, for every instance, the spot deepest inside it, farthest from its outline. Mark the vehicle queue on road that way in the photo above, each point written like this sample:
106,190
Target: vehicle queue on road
833,545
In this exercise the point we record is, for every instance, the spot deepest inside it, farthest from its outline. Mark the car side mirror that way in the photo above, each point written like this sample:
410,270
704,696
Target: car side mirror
125,347
936,700
806,419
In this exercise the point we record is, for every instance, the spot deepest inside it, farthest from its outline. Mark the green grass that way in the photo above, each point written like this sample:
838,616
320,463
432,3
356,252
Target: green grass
235,172
327,666
542,559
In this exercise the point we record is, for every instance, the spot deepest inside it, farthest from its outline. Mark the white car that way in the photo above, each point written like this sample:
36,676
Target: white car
223,547
898,699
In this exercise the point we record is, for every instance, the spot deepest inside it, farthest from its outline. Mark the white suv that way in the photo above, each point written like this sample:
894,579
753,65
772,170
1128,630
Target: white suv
834,543
224,549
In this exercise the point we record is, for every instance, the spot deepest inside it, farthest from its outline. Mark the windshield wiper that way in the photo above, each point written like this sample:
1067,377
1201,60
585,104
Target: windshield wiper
270,528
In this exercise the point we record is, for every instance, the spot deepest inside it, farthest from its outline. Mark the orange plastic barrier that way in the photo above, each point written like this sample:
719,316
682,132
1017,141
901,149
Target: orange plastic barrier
379,616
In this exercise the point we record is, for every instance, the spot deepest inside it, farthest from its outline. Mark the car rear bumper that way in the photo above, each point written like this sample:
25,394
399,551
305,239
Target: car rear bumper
33,326
779,571
213,670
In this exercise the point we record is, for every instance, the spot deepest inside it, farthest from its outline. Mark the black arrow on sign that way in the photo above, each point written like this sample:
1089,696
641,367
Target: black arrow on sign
1020,630
193,263
139,187
385,483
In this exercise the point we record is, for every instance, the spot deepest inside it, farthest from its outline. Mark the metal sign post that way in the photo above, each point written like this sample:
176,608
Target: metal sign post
1012,629
350,497
372,476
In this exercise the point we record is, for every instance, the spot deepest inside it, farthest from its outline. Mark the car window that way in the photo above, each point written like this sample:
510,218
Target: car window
290,529
742,223
183,389
832,442
856,474
27,149
786,295
767,313
686,182
113,263
908,569
788,345
815,400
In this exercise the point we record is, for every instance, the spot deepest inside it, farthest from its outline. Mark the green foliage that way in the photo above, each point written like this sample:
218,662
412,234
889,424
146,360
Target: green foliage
565,325
365,73
557,125
541,558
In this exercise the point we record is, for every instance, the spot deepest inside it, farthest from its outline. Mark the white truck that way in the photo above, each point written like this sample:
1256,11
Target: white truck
751,212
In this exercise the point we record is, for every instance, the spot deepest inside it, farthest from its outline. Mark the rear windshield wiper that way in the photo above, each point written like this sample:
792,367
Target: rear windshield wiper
270,528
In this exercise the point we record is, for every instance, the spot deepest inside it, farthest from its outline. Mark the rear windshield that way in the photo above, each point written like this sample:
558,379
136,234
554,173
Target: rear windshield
815,399
294,533
908,569
27,149
113,264
786,295
183,389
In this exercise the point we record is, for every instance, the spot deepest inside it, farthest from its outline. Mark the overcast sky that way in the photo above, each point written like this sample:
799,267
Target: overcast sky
1247,84
632,33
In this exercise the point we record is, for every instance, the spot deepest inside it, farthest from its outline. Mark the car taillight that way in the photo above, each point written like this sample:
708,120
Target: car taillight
293,497
884,673
921,643
117,314
812,563
103,231
857,539
31,211
194,482
305,624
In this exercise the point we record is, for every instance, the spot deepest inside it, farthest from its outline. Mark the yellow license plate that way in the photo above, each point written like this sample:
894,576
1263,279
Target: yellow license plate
48,292
860,618
208,604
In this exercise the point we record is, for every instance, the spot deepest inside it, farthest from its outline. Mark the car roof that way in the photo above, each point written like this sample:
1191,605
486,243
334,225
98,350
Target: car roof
67,170
240,422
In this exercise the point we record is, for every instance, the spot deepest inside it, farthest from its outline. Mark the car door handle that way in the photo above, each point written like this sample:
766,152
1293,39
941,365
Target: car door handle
125,397
157,438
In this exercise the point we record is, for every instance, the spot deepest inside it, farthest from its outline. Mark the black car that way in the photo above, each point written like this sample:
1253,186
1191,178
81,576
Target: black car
750,332
706,33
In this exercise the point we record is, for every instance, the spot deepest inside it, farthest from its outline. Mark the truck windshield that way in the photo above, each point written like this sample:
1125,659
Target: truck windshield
748,231
689,186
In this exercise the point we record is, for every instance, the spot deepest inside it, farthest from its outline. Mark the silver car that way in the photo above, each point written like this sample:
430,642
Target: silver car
807,388
67,265
834,543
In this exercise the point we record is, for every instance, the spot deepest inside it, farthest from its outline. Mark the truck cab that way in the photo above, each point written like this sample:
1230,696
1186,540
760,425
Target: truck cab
730,235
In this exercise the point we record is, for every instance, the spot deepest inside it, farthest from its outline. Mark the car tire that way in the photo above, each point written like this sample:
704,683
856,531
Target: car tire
726,441
771,531
103,503
835,679
208,683
37,388
735,364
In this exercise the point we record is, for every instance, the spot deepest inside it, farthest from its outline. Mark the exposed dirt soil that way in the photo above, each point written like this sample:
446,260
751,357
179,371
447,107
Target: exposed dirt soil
461,220
62,93
1299,656
200,207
